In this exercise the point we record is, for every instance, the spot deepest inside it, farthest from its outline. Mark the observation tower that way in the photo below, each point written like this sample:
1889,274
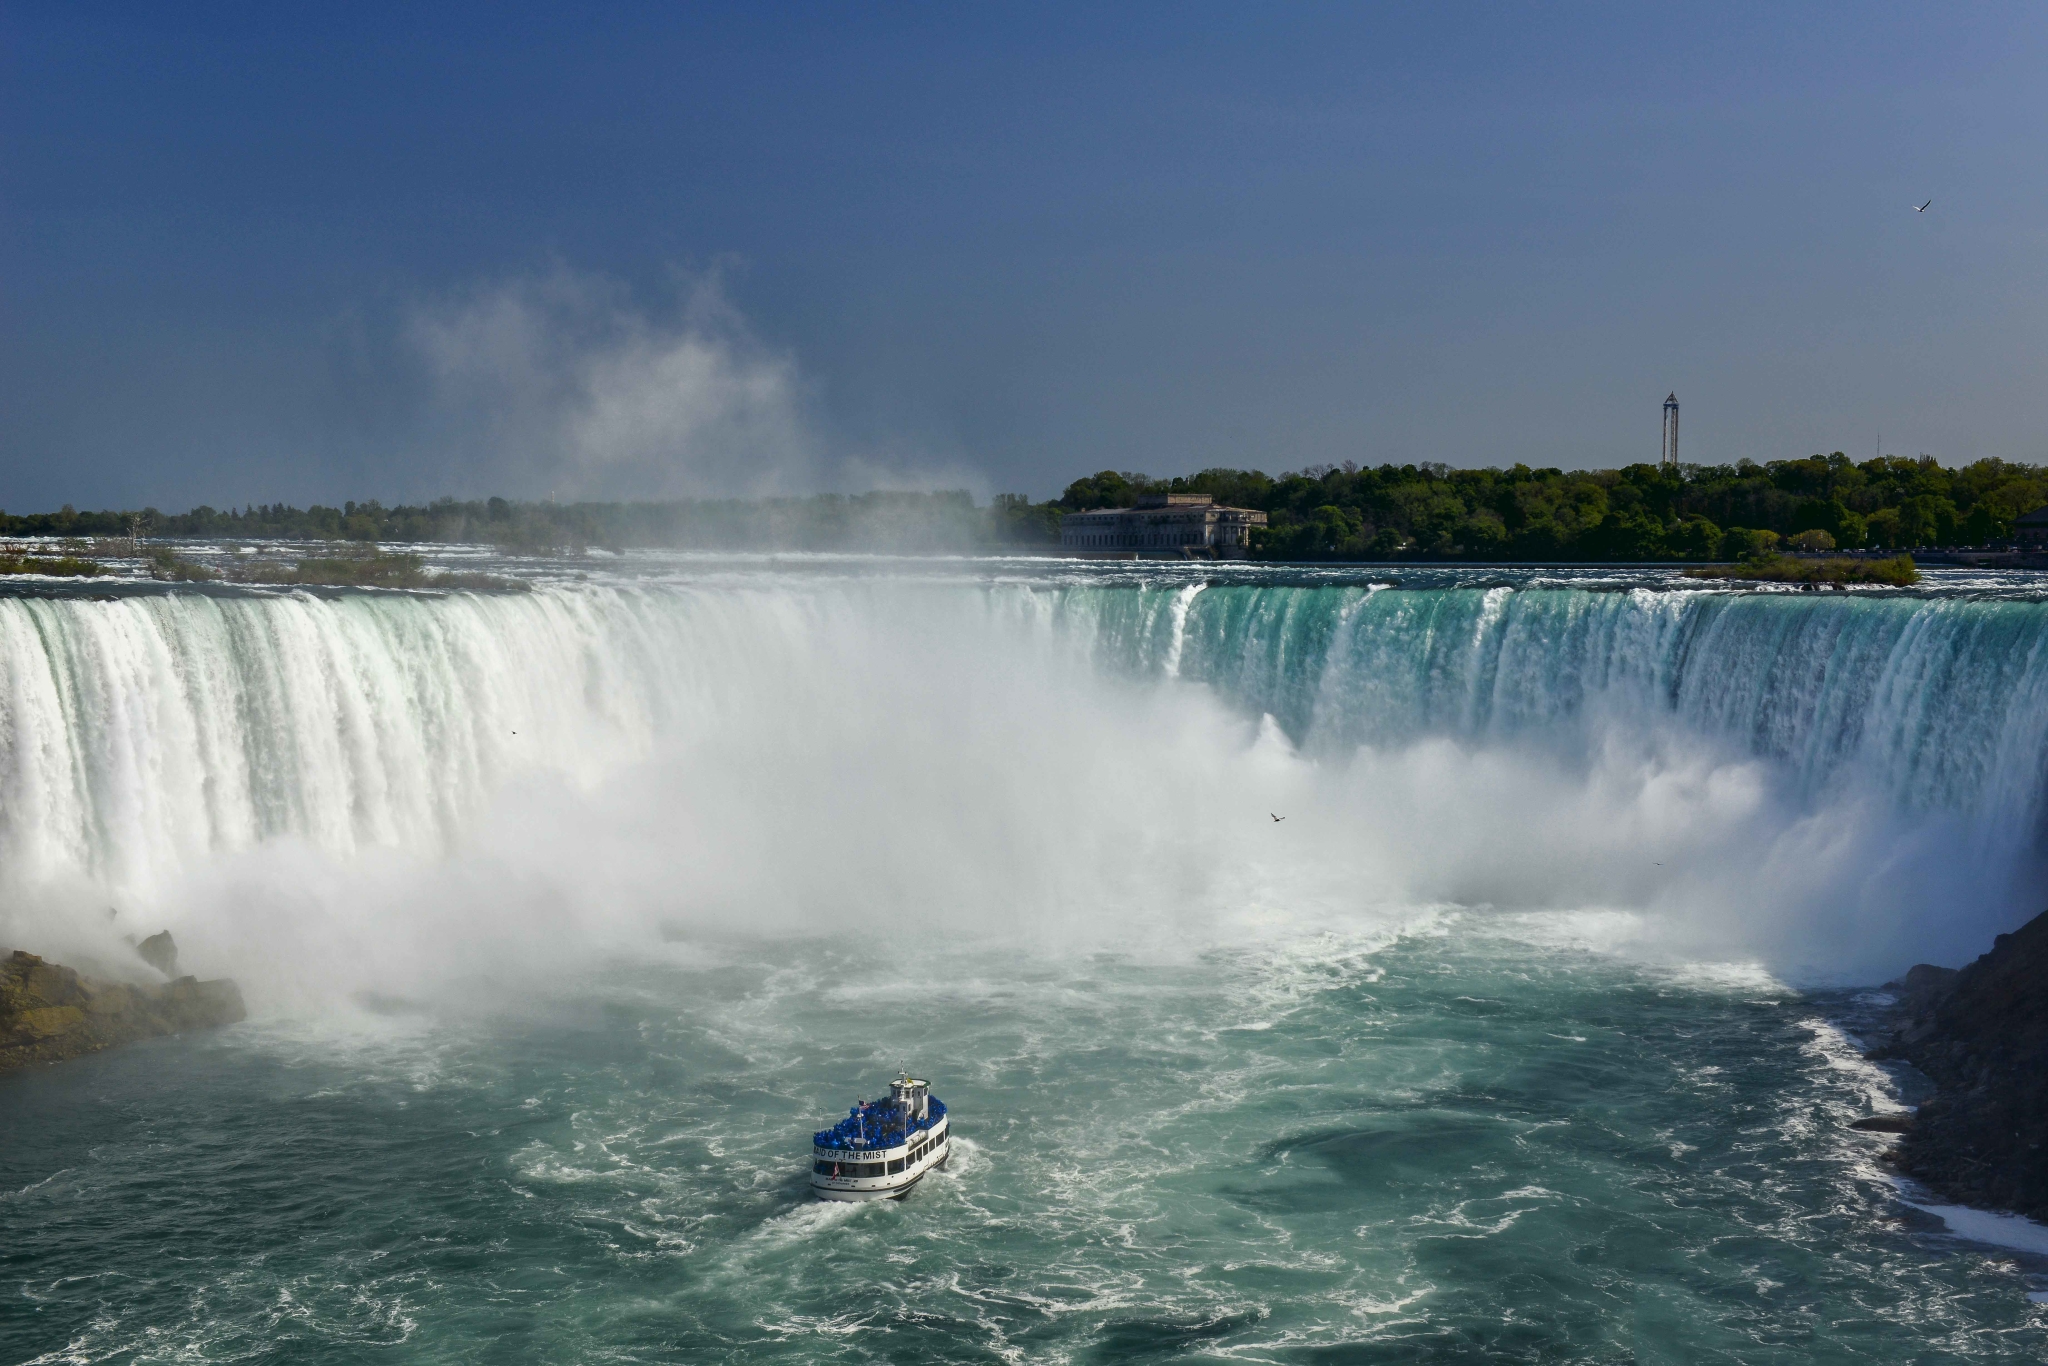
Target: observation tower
1668,459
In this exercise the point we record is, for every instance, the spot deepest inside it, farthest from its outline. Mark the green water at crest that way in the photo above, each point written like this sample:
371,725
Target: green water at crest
1462,1140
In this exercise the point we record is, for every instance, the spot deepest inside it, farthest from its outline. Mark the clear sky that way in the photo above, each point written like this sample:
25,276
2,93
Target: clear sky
273,252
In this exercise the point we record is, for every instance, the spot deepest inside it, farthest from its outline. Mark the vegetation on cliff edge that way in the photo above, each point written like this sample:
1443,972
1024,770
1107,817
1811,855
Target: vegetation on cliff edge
359,567
62,566
1897,571
1428,511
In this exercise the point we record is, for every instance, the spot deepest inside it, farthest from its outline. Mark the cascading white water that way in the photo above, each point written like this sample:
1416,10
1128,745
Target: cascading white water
1828,782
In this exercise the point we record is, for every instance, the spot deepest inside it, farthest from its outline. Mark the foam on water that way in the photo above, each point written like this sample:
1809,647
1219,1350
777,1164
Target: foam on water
569,915
1456,1144
1991,1228
1817,782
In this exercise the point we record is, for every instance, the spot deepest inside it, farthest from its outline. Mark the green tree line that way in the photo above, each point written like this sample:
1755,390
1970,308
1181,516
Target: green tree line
1641,512
908,522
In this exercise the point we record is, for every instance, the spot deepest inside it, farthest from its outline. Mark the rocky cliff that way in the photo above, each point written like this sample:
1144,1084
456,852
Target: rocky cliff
48,1012
1981,1035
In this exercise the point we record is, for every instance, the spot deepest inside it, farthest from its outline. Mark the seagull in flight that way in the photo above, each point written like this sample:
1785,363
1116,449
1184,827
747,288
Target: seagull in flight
1276,819
1921,208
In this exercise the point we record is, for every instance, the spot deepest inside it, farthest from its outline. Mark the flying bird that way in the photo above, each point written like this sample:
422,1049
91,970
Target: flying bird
1921,208
1276,819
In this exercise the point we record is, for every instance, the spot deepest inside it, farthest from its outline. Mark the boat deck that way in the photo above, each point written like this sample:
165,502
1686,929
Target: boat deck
877,1127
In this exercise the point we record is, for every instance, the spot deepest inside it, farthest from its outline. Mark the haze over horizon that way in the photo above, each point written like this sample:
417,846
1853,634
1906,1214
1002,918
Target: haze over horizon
252,256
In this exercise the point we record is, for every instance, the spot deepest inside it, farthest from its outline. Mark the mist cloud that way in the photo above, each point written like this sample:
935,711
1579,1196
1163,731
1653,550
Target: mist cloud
403,794
565,381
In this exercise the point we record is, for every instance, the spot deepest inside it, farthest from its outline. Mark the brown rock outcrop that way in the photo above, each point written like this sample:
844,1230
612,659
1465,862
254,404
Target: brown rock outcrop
160,951
1981,1035
48,1012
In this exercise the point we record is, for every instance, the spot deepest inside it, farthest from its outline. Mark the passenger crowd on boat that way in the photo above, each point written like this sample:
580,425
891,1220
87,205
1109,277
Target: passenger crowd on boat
878,1124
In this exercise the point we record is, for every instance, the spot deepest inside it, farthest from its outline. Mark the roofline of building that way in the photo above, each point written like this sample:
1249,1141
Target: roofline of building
1184,510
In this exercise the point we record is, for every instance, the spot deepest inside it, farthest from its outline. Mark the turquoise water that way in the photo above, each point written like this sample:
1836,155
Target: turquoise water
566,918
1465,1140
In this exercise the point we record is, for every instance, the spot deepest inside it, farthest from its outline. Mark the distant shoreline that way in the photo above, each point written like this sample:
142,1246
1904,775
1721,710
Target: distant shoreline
1390,514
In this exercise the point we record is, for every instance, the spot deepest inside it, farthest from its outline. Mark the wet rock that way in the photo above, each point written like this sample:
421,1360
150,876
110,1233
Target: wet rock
1924,984
1885,1124
160,951
49,1013
1981,1035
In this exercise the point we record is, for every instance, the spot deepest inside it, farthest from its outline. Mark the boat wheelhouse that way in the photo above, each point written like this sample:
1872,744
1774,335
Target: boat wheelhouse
883,1147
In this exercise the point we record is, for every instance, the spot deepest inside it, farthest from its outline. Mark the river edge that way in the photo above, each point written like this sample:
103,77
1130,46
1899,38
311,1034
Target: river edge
1979,1037
50,1013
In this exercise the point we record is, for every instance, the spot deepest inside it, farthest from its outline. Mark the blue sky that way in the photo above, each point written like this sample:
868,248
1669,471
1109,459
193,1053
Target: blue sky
256,253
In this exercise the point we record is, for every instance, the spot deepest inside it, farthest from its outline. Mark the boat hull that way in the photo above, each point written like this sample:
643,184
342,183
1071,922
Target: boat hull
889,1186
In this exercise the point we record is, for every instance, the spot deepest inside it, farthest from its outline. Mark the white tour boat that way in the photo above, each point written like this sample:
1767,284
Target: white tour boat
883,1147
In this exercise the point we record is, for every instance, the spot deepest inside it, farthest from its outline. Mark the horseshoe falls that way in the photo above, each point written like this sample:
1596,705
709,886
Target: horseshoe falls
1316,969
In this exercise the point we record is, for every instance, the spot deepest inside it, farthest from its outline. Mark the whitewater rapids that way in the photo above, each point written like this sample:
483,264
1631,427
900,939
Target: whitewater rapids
566,916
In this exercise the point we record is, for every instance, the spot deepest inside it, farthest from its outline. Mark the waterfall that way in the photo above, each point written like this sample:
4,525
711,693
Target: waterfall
152,739
1940,703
